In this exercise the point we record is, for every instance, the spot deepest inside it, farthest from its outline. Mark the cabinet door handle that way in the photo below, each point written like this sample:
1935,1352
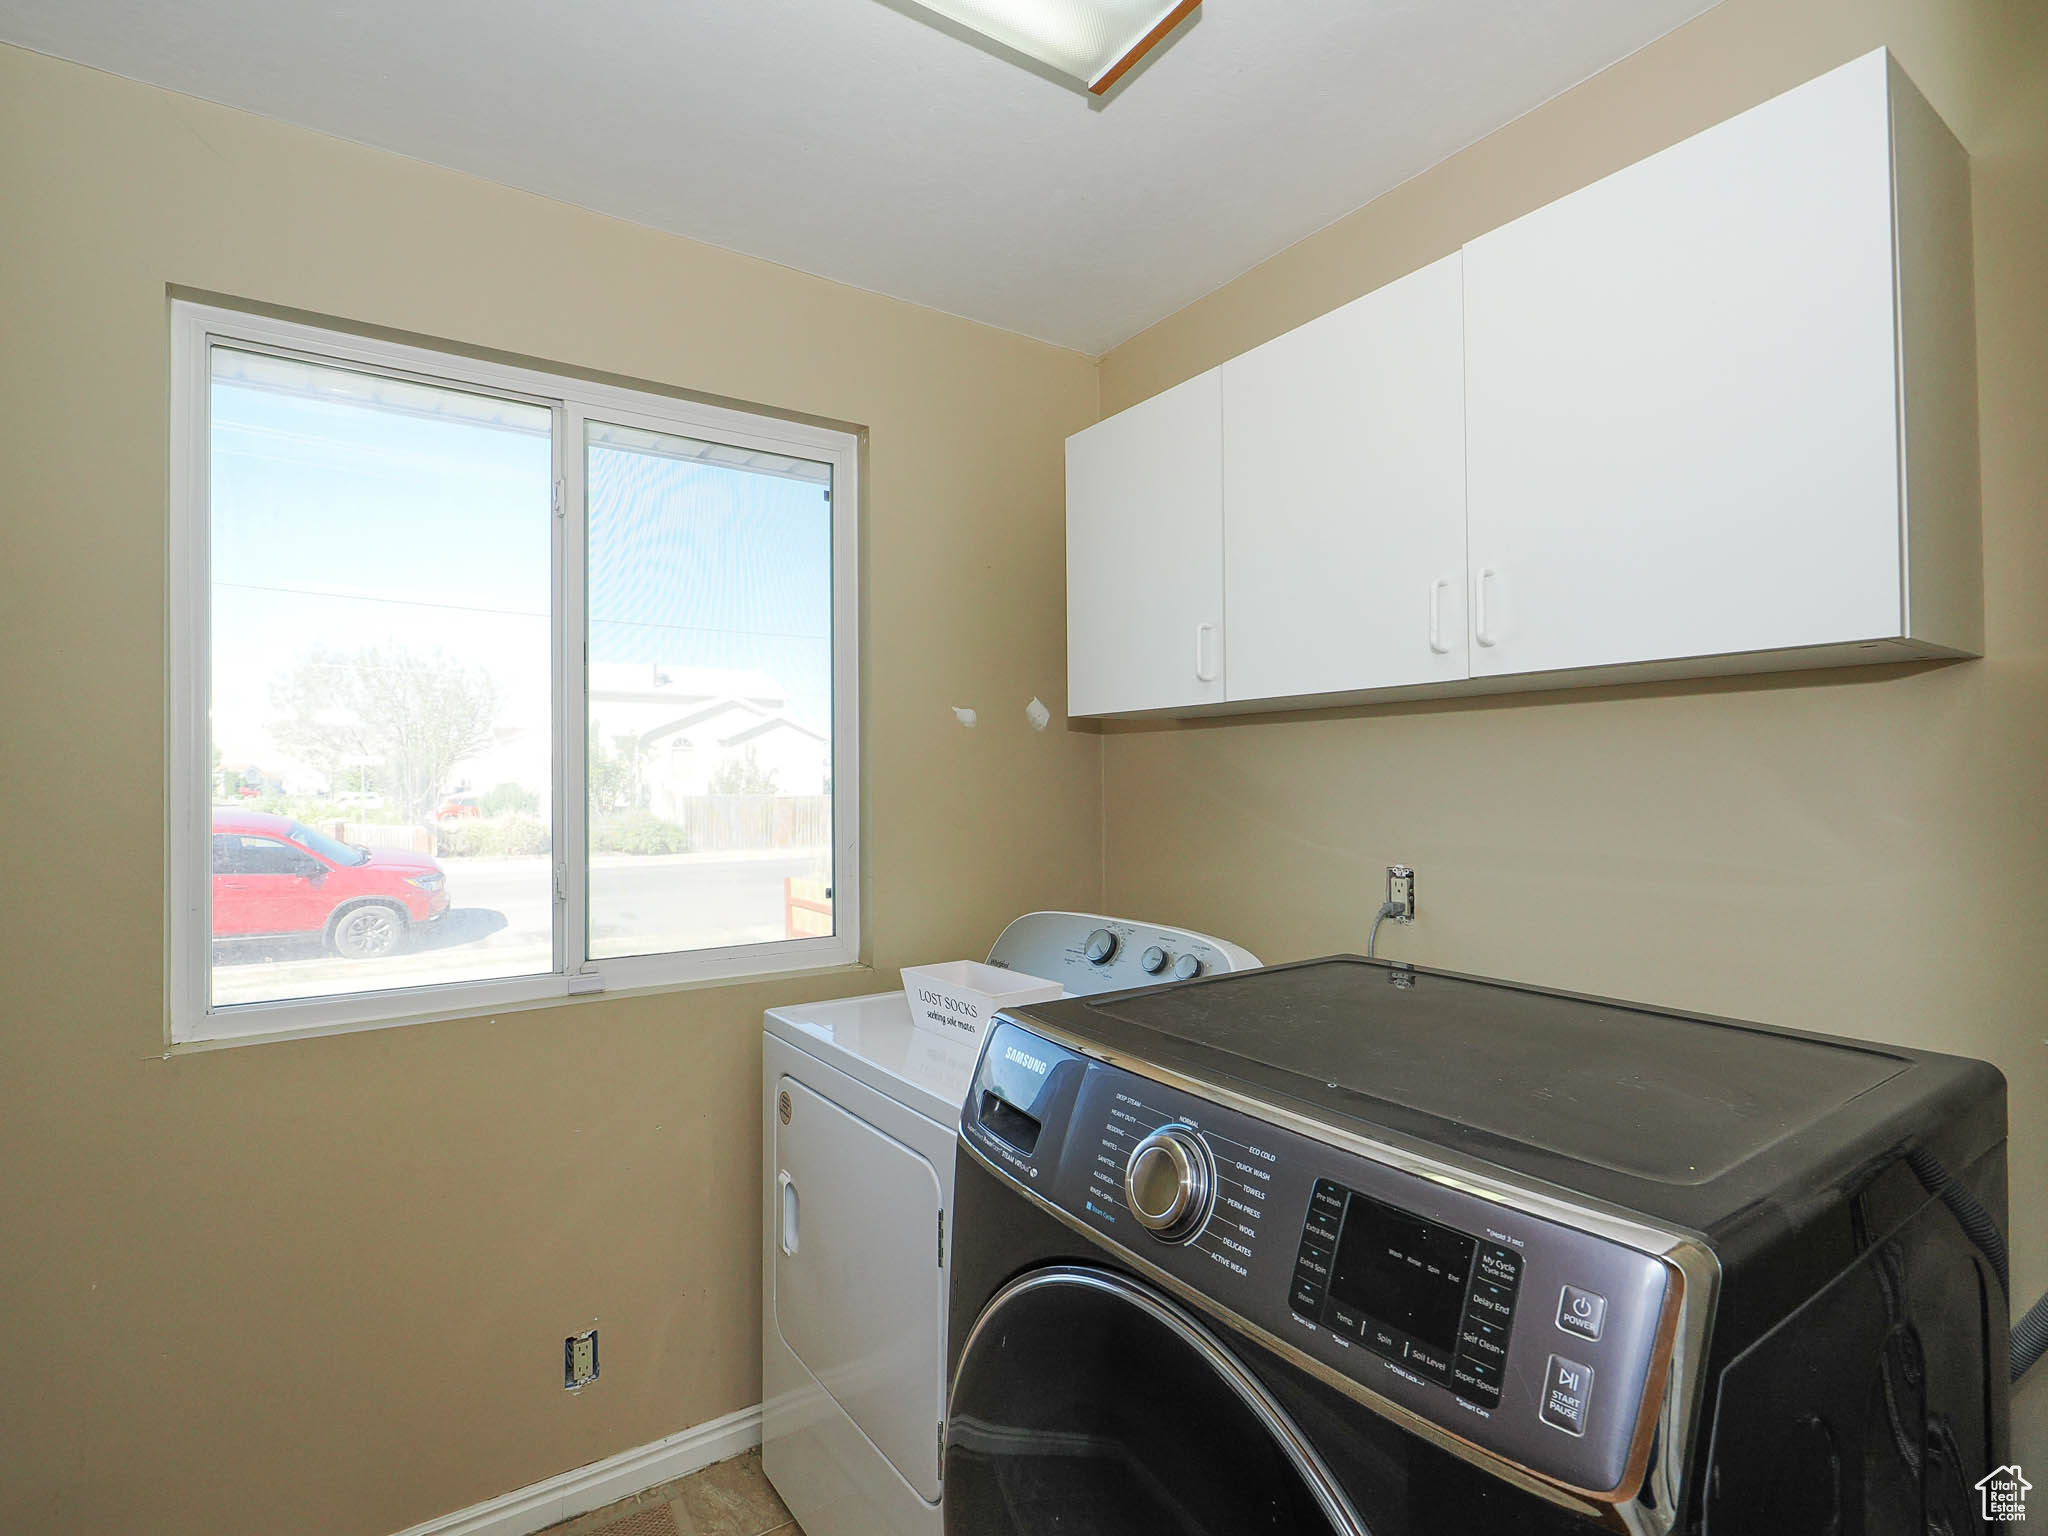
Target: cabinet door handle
1204,672
1480,632
1437,589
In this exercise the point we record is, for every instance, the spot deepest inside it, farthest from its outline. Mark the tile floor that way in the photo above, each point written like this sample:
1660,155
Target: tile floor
729,1498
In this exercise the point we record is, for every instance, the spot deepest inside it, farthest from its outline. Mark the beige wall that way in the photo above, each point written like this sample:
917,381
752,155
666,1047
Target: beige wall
1858,852
321,1286
318,1286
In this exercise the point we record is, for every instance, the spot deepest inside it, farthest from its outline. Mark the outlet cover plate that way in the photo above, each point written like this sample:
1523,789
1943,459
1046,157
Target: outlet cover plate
579,1359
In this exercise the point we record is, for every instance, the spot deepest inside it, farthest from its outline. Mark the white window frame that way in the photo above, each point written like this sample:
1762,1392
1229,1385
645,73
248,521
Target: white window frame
190,1016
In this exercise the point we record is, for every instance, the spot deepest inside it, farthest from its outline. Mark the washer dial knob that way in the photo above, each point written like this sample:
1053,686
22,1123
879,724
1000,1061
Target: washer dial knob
1153,960
1186,968
1167,1183
1101,945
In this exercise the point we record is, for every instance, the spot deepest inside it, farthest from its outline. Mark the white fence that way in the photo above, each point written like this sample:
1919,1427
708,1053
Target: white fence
731,823
716,824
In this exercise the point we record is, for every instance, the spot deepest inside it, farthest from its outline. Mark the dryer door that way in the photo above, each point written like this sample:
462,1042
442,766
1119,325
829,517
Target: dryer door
1086,1404
857,1278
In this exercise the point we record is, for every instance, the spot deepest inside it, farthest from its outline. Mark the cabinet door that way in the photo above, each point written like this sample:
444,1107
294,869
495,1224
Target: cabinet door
1145,555
1681,398
1344,497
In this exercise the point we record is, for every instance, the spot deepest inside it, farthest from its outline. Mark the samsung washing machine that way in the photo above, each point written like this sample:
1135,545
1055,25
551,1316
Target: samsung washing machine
860,1112
1350,1247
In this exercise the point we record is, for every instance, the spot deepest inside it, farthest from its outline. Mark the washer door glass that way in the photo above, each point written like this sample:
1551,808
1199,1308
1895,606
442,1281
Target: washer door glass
1086,1404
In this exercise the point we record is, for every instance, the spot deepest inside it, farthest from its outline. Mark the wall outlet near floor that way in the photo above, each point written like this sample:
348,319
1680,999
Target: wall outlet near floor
579,1359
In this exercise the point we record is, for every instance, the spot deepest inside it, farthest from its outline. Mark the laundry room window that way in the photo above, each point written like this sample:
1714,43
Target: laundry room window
491,685
710,618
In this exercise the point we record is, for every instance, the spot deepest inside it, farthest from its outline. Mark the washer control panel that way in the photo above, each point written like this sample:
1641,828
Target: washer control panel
1439,1301
1088,954
1528,1337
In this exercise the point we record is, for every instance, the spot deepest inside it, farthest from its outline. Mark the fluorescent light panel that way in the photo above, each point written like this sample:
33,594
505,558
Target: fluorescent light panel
1093,41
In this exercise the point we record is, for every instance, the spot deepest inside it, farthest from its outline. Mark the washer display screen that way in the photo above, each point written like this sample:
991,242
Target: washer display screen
1403,1272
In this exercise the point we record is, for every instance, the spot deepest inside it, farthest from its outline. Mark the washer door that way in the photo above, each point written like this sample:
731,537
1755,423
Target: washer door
1086,1404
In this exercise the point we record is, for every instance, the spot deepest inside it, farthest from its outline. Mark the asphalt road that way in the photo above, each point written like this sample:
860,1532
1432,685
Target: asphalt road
500,916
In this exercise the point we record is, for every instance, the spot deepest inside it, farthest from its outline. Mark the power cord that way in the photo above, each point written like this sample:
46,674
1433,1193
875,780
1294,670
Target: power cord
1393,909
1399,905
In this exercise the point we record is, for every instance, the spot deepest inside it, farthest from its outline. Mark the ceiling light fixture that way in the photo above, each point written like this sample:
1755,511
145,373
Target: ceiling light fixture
1093,41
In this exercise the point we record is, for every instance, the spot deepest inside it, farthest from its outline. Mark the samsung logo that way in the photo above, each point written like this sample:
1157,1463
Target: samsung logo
1029,1063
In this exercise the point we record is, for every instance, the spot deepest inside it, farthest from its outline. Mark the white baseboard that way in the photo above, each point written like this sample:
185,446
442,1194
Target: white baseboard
582,1489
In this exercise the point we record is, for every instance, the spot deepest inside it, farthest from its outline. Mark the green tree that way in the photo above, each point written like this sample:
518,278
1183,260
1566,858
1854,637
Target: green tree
615,778
742,775
414,717
510,800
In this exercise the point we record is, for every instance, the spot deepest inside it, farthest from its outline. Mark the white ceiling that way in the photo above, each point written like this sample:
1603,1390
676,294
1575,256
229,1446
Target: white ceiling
849,139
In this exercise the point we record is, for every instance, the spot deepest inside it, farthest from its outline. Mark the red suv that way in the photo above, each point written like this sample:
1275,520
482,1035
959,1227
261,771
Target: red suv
273,875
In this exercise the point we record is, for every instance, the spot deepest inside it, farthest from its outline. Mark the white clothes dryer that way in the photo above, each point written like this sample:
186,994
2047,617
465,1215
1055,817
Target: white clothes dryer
860,1119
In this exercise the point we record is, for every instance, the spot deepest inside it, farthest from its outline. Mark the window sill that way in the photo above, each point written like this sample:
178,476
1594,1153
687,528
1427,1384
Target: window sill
523,996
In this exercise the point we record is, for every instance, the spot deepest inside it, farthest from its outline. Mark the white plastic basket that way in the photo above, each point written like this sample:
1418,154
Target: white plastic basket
958,998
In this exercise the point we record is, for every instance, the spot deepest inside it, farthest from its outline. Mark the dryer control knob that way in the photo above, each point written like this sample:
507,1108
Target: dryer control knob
1101,945
1186,968
1153,961
1167,1182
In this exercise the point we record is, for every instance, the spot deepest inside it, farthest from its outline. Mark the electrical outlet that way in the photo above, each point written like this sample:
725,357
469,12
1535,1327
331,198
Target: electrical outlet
579,1359
1401,893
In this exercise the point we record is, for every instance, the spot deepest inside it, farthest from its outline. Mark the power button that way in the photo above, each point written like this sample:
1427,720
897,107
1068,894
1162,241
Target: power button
1581,1312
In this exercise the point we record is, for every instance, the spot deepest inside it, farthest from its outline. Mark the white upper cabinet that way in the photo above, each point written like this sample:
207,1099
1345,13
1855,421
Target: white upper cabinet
1715,413
1344,497
1145,555
1684,396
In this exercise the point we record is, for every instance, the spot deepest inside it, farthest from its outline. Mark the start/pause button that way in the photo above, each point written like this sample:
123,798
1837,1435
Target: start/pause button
1567,1388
